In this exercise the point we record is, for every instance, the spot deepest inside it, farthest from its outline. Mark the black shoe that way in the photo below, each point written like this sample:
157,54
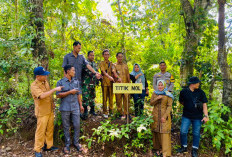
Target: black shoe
194,152
84,116
129,117
38,154
182,150
92,111
50,149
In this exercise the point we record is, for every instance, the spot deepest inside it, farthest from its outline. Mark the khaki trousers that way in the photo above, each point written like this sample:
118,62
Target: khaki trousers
107,92
44,132
162,141
119,99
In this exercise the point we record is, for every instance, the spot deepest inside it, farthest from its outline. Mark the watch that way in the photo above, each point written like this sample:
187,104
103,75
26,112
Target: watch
206,116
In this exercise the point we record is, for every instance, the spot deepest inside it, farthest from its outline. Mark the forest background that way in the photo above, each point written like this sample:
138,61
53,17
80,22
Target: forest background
192,36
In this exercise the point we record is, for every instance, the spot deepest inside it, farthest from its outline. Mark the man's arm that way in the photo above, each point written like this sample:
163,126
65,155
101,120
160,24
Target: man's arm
48,93
93,71
172,81
64,94
105,73
155,82
205,111
65,61
80,103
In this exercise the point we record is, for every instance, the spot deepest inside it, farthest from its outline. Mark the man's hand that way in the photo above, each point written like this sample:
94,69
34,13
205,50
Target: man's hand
81,108
111,79
53,105
98,76
163,120
147,91
119,80
205,119
58,88
159,97
73,91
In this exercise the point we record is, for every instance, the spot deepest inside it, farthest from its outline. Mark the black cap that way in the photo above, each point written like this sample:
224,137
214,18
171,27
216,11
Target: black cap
40,71
193,80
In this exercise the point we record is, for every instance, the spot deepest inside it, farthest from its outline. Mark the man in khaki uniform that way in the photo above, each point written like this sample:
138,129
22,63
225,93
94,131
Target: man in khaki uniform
42,95
164,75
122,75
107,70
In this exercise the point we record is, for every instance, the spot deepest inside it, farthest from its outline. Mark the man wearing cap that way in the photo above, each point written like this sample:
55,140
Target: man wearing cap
44,105
194,101
164,75
70,107
78,61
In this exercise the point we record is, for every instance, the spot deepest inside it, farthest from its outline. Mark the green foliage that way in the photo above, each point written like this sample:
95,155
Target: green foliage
218,129
154,31
137,134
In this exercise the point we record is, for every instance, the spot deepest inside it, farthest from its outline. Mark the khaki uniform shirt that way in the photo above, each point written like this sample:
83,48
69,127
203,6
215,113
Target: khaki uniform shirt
122,71
108,67
167,77
42,106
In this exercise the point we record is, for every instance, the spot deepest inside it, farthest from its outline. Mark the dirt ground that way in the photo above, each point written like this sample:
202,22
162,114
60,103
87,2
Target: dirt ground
23,147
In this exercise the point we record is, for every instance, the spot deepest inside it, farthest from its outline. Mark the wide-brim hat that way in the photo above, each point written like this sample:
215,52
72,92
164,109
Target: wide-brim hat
193,80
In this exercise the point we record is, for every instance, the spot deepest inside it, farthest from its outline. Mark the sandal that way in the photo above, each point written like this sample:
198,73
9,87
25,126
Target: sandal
66,150
78,147
158,154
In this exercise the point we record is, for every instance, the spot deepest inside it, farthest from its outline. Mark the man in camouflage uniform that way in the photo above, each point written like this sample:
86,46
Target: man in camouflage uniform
163,75
89,82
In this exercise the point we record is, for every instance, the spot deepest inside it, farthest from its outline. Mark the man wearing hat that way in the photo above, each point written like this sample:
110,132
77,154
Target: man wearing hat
194,101
42,95
164,75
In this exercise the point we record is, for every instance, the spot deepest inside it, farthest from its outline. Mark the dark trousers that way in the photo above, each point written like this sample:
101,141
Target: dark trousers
139,103
66,117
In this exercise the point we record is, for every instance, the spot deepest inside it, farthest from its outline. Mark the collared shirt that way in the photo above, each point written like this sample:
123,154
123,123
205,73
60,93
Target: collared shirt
78,63
167,77
108,67
122,71
188,98
70,102
42,106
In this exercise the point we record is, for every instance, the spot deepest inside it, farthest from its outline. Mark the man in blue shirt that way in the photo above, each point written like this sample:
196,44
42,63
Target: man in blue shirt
78,61
70,107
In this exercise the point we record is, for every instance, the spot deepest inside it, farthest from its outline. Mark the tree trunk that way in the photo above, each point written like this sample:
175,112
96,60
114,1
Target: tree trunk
222,58
38,44
123,31
193,17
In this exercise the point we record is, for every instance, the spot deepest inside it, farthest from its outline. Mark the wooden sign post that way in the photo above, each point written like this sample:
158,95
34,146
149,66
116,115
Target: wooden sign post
127,88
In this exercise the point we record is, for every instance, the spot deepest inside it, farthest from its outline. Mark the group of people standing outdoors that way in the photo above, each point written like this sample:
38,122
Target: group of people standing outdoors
77,91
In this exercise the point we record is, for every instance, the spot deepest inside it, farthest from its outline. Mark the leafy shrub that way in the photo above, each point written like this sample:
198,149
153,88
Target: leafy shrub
216,128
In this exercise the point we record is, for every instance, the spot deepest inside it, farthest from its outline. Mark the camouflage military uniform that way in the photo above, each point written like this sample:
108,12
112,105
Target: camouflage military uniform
89,82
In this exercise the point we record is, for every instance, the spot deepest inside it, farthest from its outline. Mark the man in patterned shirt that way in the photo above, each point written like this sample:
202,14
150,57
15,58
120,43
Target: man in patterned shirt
89,82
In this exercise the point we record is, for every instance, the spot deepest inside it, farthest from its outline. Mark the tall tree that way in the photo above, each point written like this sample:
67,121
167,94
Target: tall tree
222,57
194,17
38,43
123,29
